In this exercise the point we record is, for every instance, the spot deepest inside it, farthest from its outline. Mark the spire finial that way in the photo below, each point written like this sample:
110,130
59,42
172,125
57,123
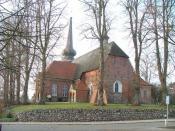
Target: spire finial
69,52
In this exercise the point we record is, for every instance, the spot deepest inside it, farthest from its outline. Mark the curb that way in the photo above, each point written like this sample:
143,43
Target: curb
85,123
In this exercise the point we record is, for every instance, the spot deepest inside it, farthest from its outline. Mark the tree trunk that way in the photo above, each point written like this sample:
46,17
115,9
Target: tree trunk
25,94
163,90
12,69
42,87
18,88
18,79
100,100
136,32
137,84
6,88
11,91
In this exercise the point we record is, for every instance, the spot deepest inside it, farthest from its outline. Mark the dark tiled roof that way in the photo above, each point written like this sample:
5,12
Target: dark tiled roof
116,50
90,61
62,70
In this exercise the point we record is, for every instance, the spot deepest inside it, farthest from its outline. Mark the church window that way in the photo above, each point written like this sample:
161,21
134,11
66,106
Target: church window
117,87
65,91
145,93
54,89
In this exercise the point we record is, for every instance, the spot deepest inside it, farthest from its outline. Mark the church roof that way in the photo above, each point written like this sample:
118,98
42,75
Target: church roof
90,61
61,70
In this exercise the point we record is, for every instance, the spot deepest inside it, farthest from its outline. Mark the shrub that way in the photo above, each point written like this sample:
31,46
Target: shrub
9,114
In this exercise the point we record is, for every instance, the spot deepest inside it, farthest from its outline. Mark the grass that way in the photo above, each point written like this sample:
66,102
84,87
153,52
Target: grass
64,105
5,118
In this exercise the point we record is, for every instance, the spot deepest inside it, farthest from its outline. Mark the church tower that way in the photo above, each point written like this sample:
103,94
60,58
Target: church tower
69,52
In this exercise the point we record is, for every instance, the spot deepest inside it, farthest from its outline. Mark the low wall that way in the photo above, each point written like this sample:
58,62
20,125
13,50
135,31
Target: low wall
68,115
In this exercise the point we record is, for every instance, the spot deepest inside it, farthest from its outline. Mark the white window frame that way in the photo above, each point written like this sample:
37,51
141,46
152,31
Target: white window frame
119,86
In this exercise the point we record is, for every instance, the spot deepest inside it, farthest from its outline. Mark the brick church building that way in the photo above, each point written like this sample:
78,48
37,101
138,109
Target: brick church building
76,80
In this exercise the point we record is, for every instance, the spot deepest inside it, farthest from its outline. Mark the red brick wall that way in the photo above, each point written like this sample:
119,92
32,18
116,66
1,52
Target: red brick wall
60,86
118,68
82,90
145,94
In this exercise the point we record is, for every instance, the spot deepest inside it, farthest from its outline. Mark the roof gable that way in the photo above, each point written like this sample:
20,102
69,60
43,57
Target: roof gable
117,51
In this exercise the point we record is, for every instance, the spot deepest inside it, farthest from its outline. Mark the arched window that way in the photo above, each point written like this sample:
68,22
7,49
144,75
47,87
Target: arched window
117,87
54,89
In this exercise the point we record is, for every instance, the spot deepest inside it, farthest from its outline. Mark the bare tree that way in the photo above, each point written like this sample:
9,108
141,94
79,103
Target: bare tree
8,64
31,26
49,14
136,12
11,46
30,39
162,12
98,30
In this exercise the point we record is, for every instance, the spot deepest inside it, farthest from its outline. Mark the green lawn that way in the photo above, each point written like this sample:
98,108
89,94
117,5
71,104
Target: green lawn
59,105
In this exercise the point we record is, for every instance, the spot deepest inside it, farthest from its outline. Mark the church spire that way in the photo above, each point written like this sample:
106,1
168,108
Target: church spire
69,52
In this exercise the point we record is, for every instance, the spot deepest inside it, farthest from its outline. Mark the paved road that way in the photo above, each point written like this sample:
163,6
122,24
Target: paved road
109,126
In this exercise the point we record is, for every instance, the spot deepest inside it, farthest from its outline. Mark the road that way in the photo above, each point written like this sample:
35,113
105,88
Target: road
92,126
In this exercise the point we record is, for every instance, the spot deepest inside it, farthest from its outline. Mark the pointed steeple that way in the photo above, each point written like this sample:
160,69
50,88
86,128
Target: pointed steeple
69,52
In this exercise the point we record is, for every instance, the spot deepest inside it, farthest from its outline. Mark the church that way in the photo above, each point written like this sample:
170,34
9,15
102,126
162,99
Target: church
76,80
